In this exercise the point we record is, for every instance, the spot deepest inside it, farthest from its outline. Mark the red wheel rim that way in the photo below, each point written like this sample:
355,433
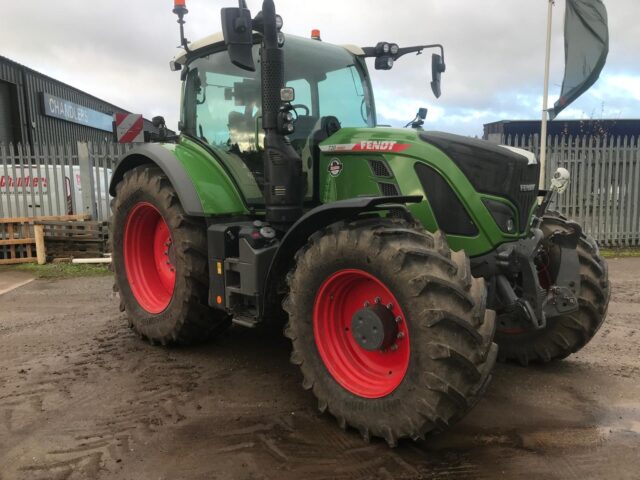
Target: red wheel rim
148,258
366,373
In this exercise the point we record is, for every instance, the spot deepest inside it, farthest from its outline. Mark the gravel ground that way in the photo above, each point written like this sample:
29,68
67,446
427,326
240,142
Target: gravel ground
82,397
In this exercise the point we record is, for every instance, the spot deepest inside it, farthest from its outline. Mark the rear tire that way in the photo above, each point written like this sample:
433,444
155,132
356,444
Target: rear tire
565,334
165,295
448,339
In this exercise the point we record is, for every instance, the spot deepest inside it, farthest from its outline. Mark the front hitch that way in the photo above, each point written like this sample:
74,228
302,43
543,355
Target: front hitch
562,297
518,285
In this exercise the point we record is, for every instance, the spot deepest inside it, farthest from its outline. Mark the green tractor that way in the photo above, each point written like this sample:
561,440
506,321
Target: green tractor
397,256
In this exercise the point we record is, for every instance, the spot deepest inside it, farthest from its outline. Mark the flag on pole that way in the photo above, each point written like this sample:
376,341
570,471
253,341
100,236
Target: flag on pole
586,45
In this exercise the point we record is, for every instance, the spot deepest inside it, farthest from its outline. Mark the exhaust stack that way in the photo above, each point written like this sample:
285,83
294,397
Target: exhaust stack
284,179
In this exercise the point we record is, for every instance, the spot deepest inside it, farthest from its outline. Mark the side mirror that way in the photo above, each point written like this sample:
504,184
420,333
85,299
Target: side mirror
422,113
237,32
158,121
437,68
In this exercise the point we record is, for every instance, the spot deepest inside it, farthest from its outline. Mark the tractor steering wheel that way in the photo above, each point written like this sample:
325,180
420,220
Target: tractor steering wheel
306,109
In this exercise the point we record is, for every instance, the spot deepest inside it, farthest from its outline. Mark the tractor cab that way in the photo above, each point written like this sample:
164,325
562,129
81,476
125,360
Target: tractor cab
222,104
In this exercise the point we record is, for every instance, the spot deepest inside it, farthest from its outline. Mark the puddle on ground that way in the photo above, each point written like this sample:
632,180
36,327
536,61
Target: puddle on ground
621,419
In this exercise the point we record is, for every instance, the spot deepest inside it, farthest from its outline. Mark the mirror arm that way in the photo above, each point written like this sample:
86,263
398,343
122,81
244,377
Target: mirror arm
418,49
371,51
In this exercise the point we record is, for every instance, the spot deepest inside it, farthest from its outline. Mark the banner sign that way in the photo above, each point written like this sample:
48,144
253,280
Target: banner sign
586,45
71,112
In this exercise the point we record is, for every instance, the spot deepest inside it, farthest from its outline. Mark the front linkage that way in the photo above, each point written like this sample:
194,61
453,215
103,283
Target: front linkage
520,285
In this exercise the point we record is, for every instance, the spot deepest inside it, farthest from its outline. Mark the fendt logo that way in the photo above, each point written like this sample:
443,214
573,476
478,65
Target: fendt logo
367,146
378,146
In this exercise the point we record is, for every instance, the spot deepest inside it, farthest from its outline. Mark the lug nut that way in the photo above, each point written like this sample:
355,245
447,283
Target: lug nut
398,319
378,299
390,306
400,335
394,347
366,303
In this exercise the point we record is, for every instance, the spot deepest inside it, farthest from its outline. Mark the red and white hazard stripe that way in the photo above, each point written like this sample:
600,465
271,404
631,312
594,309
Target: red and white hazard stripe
129,127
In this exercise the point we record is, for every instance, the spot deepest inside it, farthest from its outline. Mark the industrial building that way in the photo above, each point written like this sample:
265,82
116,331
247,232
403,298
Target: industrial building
37,109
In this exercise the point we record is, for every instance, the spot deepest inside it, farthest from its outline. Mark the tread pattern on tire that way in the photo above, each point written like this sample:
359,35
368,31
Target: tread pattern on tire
188,319
447,310
566,334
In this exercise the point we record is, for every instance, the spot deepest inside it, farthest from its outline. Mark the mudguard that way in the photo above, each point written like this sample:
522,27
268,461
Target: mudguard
173,169
318,218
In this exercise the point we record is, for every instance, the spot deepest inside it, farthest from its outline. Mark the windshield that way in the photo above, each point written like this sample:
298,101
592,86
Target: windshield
223,102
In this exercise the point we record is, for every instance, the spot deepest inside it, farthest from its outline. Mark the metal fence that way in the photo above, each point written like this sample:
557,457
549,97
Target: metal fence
604,189
603,194
52,180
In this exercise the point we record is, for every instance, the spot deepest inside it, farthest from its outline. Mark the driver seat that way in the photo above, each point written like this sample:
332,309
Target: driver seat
304,125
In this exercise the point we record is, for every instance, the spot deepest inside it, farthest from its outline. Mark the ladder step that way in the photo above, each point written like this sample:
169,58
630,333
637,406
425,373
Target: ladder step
247,322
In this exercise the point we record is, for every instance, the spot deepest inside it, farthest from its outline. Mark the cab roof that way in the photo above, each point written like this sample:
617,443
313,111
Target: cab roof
217,38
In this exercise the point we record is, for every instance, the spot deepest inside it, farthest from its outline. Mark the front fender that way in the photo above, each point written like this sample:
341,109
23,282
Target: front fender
316,219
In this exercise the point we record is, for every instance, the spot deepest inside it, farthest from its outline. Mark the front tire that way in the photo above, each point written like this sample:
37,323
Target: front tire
440,353
160,262
564,334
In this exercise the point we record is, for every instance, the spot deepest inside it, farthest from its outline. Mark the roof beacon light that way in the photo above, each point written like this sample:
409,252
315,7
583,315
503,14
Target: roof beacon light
179,5
315,34
180,9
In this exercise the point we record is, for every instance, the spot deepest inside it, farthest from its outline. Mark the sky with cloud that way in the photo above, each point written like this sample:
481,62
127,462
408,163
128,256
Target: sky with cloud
119,51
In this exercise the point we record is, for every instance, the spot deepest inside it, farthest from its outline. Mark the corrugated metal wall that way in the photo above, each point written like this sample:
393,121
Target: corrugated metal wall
12,74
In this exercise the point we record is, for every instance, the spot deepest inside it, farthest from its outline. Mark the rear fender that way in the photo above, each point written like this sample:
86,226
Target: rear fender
164,159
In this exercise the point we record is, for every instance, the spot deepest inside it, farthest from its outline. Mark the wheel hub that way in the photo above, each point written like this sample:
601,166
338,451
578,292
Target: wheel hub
374,327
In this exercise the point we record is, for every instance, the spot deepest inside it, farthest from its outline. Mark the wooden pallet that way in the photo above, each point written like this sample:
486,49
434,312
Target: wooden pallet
21,238
75,239
17,243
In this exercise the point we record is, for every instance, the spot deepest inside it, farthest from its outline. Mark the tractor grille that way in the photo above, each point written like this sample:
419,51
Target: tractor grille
380,168
388,189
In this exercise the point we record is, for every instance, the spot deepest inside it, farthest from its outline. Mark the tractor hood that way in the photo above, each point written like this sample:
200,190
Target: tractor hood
469,185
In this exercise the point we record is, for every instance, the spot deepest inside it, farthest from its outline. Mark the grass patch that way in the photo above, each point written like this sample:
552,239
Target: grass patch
620,252
63,270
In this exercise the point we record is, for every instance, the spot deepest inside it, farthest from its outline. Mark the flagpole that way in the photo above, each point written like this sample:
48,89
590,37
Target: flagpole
545,96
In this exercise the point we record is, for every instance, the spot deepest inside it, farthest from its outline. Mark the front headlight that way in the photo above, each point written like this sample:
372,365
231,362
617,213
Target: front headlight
502,214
